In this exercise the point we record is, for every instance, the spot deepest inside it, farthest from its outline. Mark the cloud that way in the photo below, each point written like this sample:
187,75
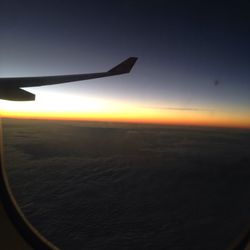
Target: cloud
83,186
178,108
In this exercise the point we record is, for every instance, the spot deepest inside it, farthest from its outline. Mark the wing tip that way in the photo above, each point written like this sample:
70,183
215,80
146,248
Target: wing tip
124,67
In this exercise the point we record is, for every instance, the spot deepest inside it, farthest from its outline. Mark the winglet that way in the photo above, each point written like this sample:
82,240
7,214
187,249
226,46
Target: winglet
123,67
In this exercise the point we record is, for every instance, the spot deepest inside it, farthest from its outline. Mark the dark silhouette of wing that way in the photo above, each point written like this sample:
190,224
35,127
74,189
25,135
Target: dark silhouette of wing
122,68
10,87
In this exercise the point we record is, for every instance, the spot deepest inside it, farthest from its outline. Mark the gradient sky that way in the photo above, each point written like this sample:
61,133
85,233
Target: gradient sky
183,47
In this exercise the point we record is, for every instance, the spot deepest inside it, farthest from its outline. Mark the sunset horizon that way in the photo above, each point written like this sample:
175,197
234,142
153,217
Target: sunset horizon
70,117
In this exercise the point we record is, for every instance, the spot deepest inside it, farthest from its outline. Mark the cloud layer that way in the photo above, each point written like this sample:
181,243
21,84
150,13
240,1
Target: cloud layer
94,186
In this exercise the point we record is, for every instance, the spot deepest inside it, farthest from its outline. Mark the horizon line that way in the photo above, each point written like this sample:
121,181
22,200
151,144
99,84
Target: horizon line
129,122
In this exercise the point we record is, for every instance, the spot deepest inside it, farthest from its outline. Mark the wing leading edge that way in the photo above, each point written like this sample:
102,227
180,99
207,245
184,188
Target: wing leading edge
9,87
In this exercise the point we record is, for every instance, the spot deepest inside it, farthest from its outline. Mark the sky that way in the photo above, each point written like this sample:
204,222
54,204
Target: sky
183,48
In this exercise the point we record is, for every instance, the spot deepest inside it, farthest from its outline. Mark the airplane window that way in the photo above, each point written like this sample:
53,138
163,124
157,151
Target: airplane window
126,124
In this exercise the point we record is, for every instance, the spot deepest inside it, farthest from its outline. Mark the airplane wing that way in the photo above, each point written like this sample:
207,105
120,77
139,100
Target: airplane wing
121,68
10,87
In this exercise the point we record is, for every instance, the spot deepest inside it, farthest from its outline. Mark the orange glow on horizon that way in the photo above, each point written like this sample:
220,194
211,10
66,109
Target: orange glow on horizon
139,116
96,109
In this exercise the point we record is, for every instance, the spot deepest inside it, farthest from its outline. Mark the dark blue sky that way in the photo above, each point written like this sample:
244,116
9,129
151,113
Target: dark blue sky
183,46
